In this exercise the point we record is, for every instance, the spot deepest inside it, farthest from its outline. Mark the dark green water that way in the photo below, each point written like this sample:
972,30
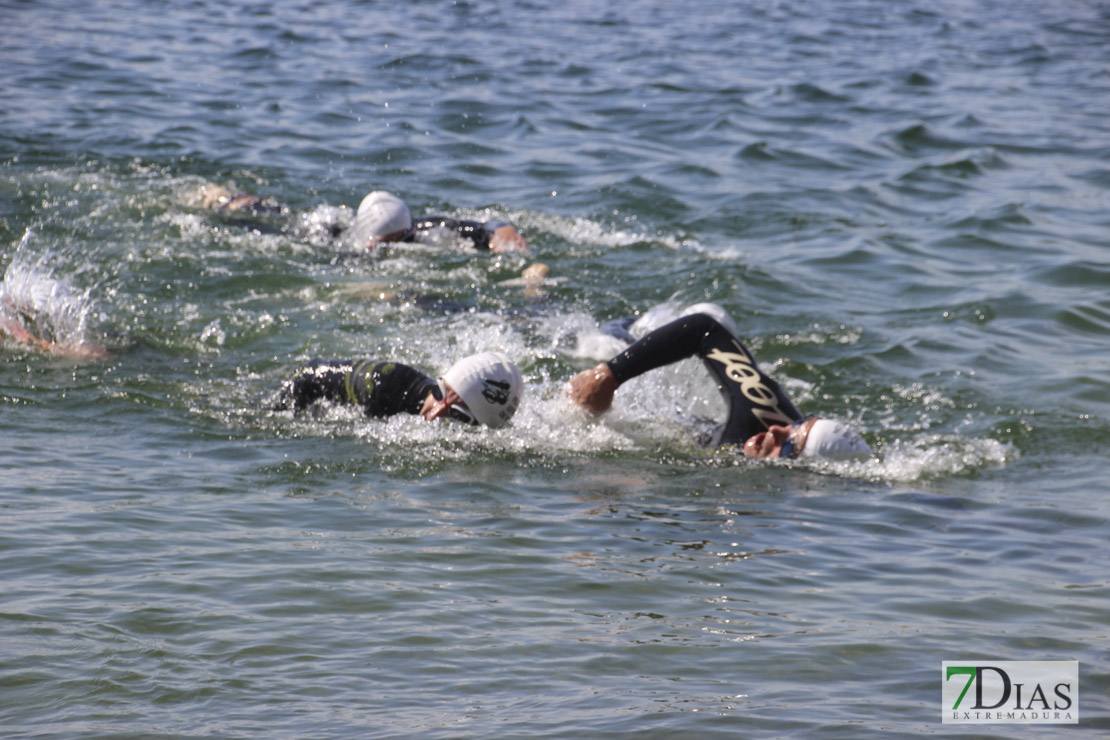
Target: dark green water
905,206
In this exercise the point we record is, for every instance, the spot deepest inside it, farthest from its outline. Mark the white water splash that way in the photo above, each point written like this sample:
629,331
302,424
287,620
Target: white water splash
34,299
585,231
939,456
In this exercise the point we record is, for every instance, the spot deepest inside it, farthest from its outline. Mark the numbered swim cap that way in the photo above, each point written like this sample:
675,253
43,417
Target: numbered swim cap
490,384
829,438
381,214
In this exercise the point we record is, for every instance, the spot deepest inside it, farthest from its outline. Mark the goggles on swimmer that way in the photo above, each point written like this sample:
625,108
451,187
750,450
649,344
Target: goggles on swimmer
457,411
461,414
788,446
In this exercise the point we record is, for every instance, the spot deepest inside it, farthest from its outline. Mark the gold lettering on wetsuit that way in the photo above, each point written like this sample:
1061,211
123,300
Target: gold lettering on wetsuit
740,369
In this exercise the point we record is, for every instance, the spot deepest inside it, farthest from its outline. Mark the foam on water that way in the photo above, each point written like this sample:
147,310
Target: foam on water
549,343
580,231
656,414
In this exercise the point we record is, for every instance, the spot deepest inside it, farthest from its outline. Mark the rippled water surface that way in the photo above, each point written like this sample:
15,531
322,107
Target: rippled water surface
904,205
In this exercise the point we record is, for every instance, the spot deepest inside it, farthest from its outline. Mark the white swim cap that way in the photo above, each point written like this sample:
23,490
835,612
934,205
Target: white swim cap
715,311
653,318
379,214
828,438
490,384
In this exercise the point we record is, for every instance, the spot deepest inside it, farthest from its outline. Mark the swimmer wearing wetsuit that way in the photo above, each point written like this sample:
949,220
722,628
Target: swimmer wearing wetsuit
478,233
382,218
760,416
755,400
480,389
380,388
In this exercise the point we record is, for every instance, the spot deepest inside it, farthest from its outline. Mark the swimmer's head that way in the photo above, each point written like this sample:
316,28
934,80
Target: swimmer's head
490,384
812,437
831,439
381,217
213,196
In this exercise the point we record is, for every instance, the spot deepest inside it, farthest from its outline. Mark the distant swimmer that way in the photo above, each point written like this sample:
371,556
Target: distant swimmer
760,416
43,314
481,389
382,218
13,330
218,198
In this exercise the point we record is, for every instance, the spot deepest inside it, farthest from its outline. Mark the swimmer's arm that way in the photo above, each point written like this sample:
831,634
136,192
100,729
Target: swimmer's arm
79,351
668,344
11,329
496,236
593,389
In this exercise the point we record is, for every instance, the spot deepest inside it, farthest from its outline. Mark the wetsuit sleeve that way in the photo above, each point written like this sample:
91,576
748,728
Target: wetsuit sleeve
380,388
755,400
476,232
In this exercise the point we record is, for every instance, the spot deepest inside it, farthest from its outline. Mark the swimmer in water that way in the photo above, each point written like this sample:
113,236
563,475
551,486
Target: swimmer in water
532,283
382,218
42,314
481,389
218,198
12,330
760,416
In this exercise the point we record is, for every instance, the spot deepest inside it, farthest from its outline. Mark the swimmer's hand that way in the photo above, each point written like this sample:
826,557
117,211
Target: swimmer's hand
243,201
593,389
217,197
213,196
536,273
507,239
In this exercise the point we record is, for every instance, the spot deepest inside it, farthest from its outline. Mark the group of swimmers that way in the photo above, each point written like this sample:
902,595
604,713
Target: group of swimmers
382,218
486,389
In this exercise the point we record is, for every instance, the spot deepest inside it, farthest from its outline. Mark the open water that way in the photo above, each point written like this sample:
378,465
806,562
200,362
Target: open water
905,205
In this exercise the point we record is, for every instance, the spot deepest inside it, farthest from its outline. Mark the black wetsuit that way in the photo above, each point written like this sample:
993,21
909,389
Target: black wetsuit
755,401
245,210
477,232
380,388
